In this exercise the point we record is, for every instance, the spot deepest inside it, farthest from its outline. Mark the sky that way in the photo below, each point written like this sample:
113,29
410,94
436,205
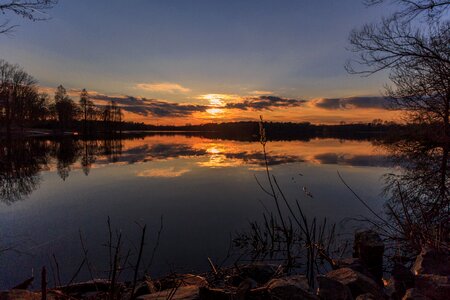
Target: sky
178,61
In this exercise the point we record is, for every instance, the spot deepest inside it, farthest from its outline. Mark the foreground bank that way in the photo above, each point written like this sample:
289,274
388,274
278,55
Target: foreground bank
360,277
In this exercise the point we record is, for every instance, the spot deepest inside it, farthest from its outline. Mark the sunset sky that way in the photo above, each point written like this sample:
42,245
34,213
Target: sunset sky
178,61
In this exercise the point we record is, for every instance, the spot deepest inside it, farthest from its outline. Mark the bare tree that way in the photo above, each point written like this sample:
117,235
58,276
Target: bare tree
34,10
19,97
66,108
410,9
87,106
416,55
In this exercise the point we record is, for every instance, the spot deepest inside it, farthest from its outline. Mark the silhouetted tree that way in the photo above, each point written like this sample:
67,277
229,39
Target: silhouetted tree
410,9
34,10
87,108
20,103
417,54
66,109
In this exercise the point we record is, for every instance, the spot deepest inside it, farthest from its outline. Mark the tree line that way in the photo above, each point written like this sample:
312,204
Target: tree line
22,105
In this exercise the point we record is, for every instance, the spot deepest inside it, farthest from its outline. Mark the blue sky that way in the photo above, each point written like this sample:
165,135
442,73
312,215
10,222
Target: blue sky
178,50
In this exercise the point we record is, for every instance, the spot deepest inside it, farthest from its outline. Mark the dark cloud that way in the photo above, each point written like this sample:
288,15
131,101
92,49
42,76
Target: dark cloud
159,108
265,103
144,107
353,160
353,102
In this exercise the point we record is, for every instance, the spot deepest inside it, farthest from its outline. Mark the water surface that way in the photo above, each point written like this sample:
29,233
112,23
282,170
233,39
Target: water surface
204,189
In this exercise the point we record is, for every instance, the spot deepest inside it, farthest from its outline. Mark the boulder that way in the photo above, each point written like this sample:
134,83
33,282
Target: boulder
354,264
436,287
19,294
414,294
290,287
431,261
330,289
207,293
177,280
261,273
358,283
369,247
144,287
401,280
367,296
189,292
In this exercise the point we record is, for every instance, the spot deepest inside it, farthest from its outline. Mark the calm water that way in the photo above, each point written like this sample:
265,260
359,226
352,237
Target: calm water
205,189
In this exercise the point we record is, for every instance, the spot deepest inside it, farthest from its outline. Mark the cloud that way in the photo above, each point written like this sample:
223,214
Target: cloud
264,103
145,107
170,172
160,108
162,87
258,92
353,160
352,102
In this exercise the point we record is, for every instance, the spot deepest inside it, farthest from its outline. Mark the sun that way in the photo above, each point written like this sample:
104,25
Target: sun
216,104
214,111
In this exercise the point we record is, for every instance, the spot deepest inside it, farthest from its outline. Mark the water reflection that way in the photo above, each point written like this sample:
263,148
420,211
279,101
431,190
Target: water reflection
418,195
20,164
23,159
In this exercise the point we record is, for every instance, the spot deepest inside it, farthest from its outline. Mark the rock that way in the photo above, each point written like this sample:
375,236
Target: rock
330,289
190,292
401,280
354,264
367,296
290,287
369,247
436,287
144,287
190,279
430,261
414,294
261,273
19,295
173,281
207,293
97,285
358,283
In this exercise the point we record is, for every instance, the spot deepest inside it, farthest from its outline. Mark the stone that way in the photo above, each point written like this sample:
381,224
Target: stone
401,280
431,261
261,273
354,264
173,281
367,296
358,283
190,279
369,247
436,287
207,293
293,287
19,295
414,294
144,287
189,292
330,289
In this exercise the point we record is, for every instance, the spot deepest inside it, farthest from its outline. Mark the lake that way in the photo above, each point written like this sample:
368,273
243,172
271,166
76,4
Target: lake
203,189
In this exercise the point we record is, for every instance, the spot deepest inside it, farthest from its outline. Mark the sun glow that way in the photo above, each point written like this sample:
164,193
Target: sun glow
216,102
214,111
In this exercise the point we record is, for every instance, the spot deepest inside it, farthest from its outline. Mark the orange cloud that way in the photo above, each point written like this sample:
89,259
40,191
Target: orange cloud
162,87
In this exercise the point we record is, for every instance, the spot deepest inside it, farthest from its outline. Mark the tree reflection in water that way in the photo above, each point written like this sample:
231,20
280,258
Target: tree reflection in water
418,195
20,164
22,160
